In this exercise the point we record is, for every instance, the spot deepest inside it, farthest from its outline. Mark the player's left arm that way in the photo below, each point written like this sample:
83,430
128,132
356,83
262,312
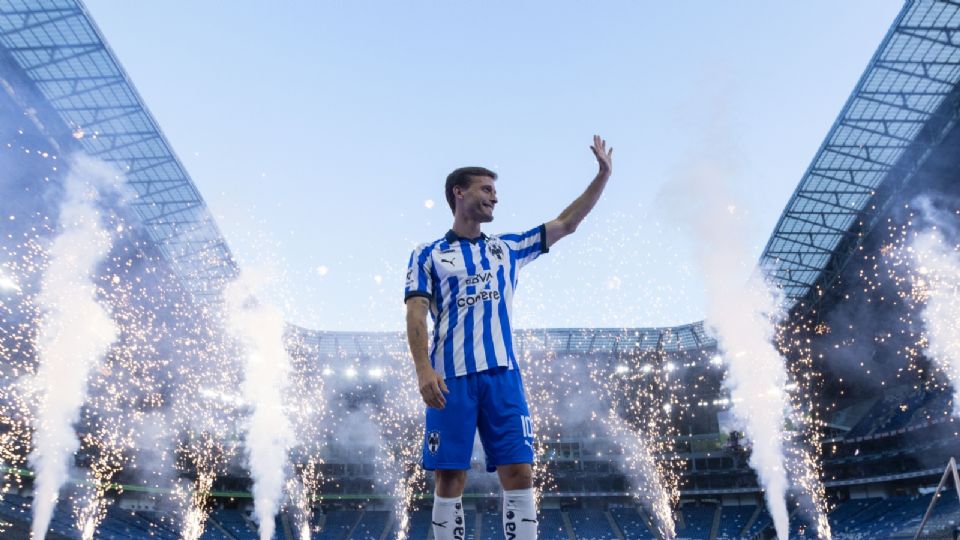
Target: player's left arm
568,220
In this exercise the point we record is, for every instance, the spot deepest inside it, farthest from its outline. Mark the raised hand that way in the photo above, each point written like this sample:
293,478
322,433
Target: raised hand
604,156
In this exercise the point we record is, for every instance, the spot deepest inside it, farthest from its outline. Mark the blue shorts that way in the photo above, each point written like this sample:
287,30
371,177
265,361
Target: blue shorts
491,402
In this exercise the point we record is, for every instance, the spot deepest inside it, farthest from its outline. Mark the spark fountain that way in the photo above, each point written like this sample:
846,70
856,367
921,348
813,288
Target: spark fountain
640,405
75,331
268,435
633,410
743,316
937,281
309,417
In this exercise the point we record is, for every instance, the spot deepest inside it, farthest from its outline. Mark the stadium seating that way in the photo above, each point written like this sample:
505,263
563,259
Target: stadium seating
338,524
697,520
419,526
371,525
491,526
470,525
733,519
843,515
552,526
631,523
763,521
235,523
892,518
589,524
213,533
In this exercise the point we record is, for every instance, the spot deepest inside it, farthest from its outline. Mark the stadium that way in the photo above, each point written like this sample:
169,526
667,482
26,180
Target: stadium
637,436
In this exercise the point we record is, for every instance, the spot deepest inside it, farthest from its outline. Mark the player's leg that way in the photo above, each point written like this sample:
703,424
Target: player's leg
515,476
447,447
519,505
506,431
447,516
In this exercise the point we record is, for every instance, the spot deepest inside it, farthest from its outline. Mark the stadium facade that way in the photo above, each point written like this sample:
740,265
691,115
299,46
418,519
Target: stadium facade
888,431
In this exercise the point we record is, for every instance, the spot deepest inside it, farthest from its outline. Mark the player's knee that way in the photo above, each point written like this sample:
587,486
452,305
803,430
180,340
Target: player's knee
450,483
518,476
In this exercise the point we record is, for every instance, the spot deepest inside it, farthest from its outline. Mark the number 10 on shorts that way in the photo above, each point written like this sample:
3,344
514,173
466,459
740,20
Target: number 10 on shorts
527,427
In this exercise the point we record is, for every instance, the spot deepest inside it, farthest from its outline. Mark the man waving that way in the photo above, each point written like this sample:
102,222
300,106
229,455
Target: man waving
467,370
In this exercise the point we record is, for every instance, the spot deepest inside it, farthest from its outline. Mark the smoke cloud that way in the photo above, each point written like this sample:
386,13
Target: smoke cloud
74,332
937,265
742,314
260,330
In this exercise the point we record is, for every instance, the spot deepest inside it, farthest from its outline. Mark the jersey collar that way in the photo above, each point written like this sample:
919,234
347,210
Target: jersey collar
452,237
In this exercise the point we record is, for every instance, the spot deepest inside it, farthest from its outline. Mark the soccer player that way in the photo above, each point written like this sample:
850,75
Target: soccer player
467,371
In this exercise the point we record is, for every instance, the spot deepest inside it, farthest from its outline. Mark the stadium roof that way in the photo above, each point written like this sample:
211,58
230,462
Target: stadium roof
689,337
902,107
59,49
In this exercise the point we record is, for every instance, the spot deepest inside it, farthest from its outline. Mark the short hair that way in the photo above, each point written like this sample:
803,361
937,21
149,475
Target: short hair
463,177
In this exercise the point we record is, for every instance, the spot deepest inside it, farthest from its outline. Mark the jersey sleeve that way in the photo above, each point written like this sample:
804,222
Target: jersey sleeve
419,274
528,245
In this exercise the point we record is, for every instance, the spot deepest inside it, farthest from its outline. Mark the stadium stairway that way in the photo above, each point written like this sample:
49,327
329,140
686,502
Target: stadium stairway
752,520
567,525
286,526
633,523
613,526
715,526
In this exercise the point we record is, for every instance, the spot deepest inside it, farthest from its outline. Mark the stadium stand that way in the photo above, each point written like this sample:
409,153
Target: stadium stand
491,525
697,520
552,526
760,522
733,519
371,525
338,524
631,523
843,515
590,524
470,524
234,523
419,526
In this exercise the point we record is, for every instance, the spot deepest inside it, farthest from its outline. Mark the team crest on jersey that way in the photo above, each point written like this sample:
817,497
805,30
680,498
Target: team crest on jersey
496,250
433,442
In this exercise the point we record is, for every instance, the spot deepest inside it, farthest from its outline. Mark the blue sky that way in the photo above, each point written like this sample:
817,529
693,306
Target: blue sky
318,132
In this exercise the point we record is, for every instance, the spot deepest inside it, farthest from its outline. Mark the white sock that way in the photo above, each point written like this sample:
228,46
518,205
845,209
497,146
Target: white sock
448,518
519,515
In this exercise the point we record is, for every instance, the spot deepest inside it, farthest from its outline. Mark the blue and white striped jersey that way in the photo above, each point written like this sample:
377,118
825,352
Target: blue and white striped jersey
470,284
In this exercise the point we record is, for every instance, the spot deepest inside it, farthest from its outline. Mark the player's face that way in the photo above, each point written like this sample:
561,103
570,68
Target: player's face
480,198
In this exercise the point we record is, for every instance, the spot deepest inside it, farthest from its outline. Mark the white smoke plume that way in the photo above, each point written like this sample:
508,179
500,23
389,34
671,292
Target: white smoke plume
74,333
937,281
743,315
743,318
259,329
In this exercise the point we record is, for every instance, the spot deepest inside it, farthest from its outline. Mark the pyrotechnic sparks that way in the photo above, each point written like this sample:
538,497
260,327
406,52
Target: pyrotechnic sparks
8,284
164,408
755,378
401,434
640,419
260,330
937,282
74,333
744,317
307,403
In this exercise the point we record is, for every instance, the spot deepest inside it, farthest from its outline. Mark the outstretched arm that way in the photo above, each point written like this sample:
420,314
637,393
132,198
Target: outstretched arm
570,218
